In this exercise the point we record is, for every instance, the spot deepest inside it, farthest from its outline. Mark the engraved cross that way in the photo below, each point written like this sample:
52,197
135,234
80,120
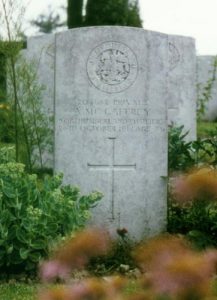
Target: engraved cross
112,167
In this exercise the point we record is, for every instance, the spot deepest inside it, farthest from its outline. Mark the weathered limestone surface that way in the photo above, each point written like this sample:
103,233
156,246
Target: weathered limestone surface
182,83
41,50
111,124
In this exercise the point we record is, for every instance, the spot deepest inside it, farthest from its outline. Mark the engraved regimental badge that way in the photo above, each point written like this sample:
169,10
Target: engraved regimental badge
112,67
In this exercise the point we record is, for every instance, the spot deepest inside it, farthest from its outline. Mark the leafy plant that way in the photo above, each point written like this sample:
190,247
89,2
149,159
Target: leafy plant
34,126
48,22
11,43
184,155
197,222
180,151
33,129
6,124
7,154
206,92
34,213
193,206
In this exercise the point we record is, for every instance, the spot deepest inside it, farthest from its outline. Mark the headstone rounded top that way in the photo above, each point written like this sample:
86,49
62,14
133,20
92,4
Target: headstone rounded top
112,67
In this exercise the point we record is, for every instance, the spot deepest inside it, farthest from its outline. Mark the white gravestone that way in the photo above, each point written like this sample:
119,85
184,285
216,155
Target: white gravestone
182,79
206,74
111,125
182,84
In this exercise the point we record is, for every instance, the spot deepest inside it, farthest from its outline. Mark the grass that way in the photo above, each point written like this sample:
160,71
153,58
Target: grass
23,291
206,129
18,291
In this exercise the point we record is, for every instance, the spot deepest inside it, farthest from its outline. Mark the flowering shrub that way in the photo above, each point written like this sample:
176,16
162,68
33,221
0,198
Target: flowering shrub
96,289
173,269
170,270
34,213
193,206
199,184
75,253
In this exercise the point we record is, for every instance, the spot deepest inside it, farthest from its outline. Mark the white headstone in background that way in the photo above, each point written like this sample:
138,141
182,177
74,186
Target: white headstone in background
41,51
182,84
206,75
111,125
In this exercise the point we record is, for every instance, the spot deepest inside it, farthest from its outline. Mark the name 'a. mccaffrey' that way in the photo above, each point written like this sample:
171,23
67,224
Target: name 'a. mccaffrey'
111,124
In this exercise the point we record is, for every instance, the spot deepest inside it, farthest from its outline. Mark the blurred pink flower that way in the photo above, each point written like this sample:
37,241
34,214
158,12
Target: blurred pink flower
173,268
181,190
54,269
198,184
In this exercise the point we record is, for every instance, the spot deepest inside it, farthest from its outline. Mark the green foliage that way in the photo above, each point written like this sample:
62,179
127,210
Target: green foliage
198,222
7,154
206,129
8,52
210,151
74,13
112,12
98,12
134,19
34,127
206,94
6,124
34,213
205,149
103,12
183,155
48,22
107,12
2,77
193,206
180,151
